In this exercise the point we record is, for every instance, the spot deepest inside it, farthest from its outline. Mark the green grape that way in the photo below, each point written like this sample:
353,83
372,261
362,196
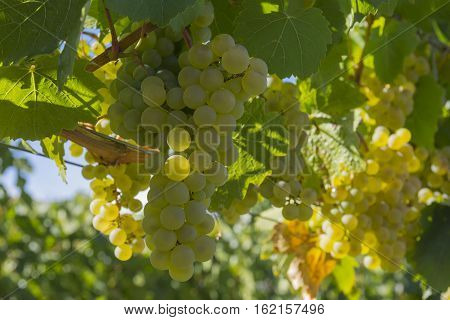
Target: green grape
135,205
204,116
152,119
142,72
380,136
123,252
304,212
176,118
200,160
116,110
222,101
340,249
204,248
164,240
164,46
281,190
88,172
205,16
238,110
101,224
308,196
226,122
221,44
235,60
207,138
138,102
199,195
176,193
206,225
148,42
187,233
183,59
177,167
178,139
152,58
200,35
151,223
200,56
259,66
181,274
349,221
217,174
153,95
290,212
172,218
211,79
181,256
196,181
175,98
160,259
188,76
117,237
132,119
194,96
126,96
195,212
123,182
254,83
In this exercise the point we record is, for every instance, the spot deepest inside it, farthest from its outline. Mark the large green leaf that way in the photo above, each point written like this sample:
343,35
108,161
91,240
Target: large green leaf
341,96
291,41
258,138
331,144
432,254
29,28
423,121
33,108
159,12
389,49
225,12
186,17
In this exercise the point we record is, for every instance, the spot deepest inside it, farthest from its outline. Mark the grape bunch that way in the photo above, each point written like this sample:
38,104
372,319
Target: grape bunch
389,104
114,189
184,101
284,188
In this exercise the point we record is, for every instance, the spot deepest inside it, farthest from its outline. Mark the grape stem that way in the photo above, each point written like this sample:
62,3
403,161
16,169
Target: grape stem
105,149
187,37
115,48
359,69
126,42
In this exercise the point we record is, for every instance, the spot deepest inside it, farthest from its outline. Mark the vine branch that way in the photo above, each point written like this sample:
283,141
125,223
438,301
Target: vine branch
359,69
123,44
107,150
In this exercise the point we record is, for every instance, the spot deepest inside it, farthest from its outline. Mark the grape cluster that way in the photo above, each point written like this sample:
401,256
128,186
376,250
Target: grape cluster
389,104
115,188
183,101
375,212
284,188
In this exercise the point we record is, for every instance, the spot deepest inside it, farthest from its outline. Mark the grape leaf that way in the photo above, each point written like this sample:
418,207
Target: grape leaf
334,14
257,138
53,147
432,253
423,121
32,106
330,66
69,53
225,12
341,97
186,17
330,144
292,42
344,274
159,12
398,40
29,28
442,136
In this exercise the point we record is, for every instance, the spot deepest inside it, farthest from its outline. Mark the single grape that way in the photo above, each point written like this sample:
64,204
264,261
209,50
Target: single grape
164,240
175,98
181,274
177,193
160,259
204,116
117,237
205,16
222,100
235,60
200,56
196,181
211,79
204,248
187,233
123,252
188,76
172,218
181,256
176,167
164,46
221,44
254,83
178,139
195,212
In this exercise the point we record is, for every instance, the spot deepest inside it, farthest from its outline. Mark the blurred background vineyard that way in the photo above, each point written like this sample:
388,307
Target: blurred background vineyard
49,250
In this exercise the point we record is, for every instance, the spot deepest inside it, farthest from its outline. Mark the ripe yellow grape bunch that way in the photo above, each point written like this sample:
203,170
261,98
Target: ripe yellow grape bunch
283,187
114,189
183,101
